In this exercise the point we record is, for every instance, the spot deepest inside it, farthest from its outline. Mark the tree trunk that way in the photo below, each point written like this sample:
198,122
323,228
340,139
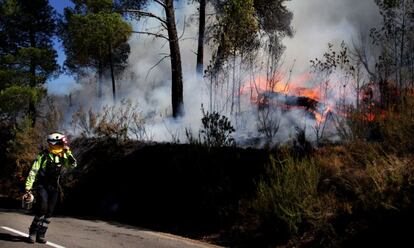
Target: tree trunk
218,60
176,70
239,87
402,96
211,92
233,89
201,34
32,107
111,65
100,79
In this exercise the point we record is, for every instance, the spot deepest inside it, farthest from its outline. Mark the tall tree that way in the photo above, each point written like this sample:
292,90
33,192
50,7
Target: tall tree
94,37
169,23
394,66
27,56
236,29
242,27
201,37
271,16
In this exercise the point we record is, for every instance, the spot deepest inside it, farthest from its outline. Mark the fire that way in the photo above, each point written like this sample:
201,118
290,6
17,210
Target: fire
321,117
298,94
296,87
311,93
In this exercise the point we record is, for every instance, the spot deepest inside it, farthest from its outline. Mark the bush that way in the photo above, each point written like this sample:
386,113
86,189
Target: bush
288,193
15,100
217,130
120,123
268,123
26,141
397,130
21,152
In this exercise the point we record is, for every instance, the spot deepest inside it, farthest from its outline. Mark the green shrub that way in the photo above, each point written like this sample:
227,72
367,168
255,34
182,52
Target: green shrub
14,101
217,130
21,152
288,193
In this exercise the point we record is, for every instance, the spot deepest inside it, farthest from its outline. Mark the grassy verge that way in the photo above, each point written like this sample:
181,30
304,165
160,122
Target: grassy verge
330,198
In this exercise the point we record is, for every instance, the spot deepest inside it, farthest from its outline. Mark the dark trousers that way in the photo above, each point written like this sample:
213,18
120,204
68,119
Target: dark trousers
46,199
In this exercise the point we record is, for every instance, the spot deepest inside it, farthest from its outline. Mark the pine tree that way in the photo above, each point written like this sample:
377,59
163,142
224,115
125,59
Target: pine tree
94,37
27,56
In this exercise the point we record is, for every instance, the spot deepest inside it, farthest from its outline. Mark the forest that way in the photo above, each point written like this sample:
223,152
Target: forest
234,121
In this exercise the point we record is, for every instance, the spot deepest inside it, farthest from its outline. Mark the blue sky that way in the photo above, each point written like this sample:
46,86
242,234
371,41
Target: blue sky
63,82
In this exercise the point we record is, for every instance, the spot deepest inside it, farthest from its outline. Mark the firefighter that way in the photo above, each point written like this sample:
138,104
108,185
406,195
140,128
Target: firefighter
44,180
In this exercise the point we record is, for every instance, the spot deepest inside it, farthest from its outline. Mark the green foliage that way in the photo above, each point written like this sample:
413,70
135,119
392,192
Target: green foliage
274,17
23,148
27,56
16,68
93,6
237,28
287,192
333,60
394,40
14,101
25,140
89,37
217,130
21,151
26,32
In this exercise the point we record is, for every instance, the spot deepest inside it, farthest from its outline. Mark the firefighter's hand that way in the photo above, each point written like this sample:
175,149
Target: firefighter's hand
66,148
27,191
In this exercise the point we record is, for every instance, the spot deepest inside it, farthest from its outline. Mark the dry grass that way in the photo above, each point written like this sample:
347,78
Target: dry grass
308,195
120,123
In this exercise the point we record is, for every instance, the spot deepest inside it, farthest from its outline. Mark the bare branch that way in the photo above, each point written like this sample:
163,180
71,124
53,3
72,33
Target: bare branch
165,43
160,3
159,62
182,34
146,14
360,53
290,76
153,34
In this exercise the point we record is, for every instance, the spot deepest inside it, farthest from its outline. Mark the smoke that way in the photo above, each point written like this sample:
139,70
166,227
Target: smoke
150,79
319,22
147,80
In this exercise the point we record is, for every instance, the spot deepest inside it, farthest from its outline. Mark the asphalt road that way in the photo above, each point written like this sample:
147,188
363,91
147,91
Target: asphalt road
71,232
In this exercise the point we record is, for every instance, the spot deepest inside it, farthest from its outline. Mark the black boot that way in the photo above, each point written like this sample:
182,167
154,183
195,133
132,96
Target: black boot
32,237
32,233
40,238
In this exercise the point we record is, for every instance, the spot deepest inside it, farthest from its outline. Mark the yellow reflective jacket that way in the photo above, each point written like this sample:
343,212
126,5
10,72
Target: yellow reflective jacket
47,161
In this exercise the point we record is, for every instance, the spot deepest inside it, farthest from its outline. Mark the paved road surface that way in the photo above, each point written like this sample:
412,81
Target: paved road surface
70,232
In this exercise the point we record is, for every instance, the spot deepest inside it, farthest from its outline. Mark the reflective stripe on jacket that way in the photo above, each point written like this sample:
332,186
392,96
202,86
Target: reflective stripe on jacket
67,161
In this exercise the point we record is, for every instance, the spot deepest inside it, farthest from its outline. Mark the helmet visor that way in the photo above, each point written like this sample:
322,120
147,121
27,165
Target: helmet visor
56,142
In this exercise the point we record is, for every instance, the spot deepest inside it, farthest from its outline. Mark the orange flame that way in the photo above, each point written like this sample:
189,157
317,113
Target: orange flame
298,86
293,87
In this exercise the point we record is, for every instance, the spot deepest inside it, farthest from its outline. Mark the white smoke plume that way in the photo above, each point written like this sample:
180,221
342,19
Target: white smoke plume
316,22
319,22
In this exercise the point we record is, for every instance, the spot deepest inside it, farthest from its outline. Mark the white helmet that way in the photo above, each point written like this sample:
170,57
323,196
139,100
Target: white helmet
56,139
